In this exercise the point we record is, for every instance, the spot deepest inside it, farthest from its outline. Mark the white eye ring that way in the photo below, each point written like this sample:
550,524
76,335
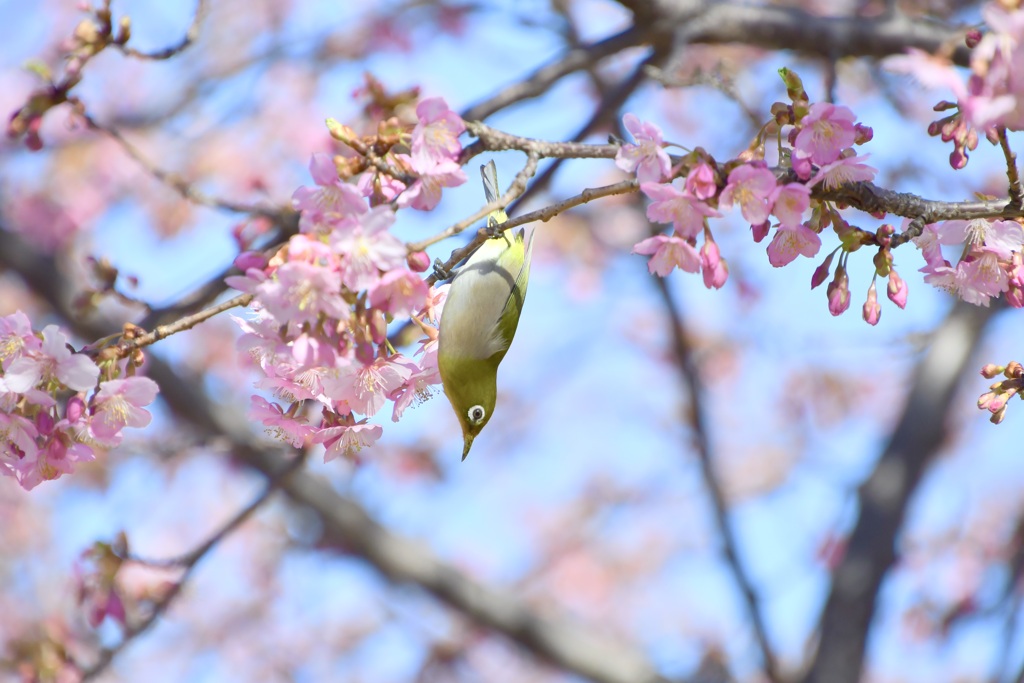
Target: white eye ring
476,414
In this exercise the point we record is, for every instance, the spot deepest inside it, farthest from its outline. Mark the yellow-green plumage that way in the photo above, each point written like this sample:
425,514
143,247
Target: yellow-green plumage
479,320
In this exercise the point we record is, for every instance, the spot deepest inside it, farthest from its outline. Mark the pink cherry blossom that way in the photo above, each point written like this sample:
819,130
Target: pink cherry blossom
751,187
675,206
345,441
52,361
928,243
843,172
790,242
418,387
17,442
647,157
435,138
982,278
700,181
399,292
1002,237
374,183
300,292
16,338
825,132
330,201
291,429
365,388
119,404
425,193
369,249
789,202
668,252
53,459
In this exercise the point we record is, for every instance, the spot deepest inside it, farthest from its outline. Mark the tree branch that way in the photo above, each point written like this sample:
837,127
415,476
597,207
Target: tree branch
829,37
884,497
188,563
542,79
694,388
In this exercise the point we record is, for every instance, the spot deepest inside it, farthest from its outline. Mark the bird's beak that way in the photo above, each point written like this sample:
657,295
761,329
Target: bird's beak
467,444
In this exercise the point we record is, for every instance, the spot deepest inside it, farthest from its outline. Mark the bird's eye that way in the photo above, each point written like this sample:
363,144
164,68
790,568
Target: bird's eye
476,414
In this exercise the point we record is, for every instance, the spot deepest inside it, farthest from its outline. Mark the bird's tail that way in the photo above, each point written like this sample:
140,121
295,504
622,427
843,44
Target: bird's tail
489,173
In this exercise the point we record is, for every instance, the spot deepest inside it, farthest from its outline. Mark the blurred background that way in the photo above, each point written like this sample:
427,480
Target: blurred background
703,529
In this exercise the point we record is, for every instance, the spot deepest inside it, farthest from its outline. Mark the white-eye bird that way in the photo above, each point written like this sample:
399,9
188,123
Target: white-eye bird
480,317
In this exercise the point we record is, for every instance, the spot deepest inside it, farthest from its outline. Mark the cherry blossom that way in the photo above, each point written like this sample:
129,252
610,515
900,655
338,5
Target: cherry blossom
667,253
647,157
53,360
791,241
435,139
751,187
675,206
825,132
119,404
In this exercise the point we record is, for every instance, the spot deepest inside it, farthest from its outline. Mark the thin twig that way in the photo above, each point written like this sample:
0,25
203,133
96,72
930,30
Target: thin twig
605,109
494,140
542,79
1016,194
126,346
176,183
186,41
541,215
517,187
188,563
702,440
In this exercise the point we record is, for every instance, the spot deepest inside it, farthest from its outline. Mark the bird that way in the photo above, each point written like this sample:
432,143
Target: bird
480,317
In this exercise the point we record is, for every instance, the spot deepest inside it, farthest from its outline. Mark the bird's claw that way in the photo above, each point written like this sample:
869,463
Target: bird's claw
494,230
440,272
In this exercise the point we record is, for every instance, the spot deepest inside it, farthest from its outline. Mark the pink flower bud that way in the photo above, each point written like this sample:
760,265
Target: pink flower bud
998,402
713,267
418,261
365,353
75,410
839,292
897,289
250,259
862,134
872,312
990,370
972,38
822,271
44,423
760,231
1015,297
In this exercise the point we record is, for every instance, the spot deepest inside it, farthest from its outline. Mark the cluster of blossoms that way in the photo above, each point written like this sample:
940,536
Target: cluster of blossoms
992,98
990,264
1001,392
324,300
819,151
54,410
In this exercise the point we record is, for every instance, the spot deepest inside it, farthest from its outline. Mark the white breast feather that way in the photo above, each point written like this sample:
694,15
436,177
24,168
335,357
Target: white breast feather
474,305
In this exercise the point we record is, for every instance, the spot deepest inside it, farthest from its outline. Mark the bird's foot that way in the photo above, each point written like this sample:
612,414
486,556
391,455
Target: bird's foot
440,272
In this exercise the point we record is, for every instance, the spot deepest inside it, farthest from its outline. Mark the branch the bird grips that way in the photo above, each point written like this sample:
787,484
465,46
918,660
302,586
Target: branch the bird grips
480,318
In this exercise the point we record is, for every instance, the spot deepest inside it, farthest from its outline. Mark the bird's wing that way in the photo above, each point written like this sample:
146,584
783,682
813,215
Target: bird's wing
518,255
